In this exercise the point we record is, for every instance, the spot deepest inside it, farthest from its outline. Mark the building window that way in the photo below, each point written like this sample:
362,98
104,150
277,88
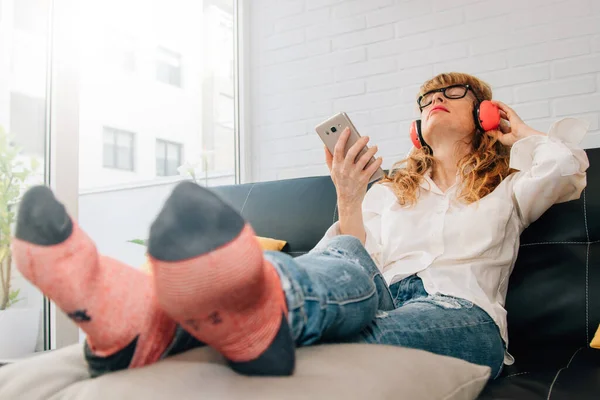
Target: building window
118,150
168,157
168,67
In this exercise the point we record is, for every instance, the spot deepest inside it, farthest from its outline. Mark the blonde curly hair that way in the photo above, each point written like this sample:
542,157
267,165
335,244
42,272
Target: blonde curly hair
481,171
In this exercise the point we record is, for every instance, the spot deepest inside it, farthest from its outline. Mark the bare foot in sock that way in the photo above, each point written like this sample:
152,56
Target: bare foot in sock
212,278
114,304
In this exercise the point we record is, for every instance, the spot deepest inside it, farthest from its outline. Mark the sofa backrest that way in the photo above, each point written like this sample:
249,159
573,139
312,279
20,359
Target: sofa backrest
296,210
553,302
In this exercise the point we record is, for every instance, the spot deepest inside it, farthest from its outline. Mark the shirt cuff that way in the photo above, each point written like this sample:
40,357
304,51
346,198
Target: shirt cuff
565,133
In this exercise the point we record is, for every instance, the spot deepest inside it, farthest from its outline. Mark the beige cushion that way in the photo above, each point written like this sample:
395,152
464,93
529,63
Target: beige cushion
346,371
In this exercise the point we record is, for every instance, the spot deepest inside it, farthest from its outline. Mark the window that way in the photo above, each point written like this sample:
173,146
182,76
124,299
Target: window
24,313
118,149
225,110
27,122
168,158
89,98
176,43
31,15
168,67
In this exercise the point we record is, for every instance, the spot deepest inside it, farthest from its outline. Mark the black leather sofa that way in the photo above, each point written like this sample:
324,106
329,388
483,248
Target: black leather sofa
553,301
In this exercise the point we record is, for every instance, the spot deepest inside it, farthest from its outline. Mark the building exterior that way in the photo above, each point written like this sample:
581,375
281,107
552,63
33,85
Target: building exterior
156,86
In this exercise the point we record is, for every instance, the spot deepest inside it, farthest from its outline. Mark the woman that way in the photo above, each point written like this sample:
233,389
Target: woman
421,259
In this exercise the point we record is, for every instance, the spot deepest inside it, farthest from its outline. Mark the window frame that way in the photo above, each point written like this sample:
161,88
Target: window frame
116,133
166,52
167,143
62,134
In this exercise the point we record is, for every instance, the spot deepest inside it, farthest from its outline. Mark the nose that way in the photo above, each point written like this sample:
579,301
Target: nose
438,96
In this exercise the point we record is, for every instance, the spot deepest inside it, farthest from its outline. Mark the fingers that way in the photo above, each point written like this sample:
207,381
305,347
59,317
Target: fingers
370,170
365,158
511,115
503,107
355,150
328,158
340,146
504,126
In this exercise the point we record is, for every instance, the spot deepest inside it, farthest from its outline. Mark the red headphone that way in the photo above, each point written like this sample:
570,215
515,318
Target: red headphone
485,114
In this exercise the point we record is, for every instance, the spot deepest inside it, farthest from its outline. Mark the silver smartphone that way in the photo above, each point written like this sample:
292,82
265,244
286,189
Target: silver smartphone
330,131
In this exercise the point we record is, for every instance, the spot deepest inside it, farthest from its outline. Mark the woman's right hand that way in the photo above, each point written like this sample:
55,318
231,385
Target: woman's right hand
351,178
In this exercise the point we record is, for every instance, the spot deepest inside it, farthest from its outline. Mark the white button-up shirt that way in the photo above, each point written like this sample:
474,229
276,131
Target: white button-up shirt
469,250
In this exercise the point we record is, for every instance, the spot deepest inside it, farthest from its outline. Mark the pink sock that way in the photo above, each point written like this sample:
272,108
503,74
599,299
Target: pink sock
111,302
212,278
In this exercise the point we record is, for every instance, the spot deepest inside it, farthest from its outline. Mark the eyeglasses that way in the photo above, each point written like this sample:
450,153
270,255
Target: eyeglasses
450,92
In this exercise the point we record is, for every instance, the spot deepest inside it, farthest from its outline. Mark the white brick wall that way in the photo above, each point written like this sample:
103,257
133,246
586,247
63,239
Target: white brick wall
311,58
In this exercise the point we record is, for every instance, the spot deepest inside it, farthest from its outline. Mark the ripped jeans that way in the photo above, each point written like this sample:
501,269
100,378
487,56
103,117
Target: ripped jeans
337,294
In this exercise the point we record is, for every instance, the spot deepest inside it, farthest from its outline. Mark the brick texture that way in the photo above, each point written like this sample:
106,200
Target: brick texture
312,58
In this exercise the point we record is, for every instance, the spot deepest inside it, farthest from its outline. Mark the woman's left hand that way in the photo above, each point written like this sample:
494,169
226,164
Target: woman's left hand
512,128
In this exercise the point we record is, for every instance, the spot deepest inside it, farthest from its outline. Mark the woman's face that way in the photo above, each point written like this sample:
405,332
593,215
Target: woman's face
446,121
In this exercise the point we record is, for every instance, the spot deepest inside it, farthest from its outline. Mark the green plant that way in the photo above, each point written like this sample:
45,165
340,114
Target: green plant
13,176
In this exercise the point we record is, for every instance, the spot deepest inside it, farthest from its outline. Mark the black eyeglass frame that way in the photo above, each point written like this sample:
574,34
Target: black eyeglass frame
443,91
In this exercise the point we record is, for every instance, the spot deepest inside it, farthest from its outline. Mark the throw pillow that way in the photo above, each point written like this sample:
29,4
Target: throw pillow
596,340
271,244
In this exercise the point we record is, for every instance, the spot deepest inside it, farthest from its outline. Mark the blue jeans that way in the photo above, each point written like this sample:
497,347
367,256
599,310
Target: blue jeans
337,294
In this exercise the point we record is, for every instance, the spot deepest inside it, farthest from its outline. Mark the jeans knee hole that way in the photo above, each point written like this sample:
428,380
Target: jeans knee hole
341,253
334,251
344,277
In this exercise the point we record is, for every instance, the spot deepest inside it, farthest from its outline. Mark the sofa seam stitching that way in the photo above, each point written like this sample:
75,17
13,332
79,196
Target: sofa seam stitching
517,374
587,232
587,295
560,370
587,272
541,243
247,196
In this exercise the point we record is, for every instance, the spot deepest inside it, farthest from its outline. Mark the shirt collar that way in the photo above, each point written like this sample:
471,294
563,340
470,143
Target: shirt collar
428,184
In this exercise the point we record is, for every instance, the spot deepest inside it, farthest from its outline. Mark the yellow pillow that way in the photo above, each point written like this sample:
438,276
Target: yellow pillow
596,340
271,244
265,244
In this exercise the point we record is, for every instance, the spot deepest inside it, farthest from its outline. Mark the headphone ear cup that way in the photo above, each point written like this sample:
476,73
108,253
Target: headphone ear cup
488,116
414,135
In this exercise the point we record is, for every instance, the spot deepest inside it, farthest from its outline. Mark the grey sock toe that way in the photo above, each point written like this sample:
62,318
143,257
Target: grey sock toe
42,220
193,221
